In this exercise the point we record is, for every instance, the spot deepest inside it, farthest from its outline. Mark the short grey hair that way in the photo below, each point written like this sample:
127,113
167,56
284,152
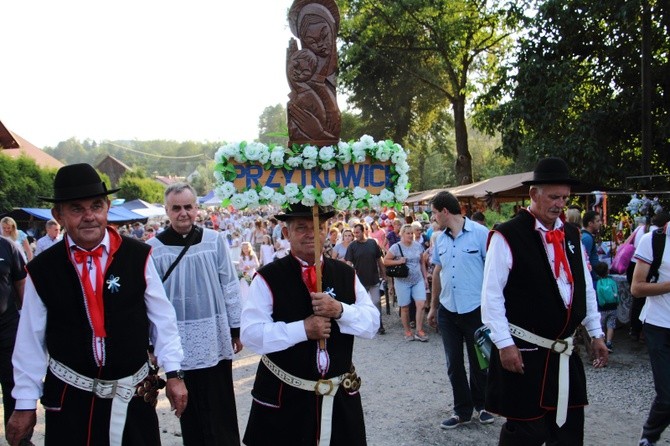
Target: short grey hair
176,188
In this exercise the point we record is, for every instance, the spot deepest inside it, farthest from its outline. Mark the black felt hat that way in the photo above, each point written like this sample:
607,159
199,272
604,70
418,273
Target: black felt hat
299,210
551,170
77,182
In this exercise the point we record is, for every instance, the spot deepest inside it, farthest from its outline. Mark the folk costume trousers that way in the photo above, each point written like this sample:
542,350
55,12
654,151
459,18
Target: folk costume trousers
545,430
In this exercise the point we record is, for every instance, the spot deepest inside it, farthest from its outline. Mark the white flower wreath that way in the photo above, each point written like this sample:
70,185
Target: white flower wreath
311,157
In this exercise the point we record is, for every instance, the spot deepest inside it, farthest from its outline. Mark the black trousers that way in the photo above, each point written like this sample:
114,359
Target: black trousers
9,323
210,418
658,341
83,419
537,432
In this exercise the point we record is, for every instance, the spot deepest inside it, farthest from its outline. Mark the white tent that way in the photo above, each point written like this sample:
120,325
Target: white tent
144,208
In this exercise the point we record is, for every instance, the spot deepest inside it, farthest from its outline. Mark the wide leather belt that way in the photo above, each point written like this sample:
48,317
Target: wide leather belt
121,391
562,347
324,387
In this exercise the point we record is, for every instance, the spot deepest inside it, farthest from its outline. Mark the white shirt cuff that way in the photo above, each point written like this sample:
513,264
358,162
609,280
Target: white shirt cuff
25,405
296,331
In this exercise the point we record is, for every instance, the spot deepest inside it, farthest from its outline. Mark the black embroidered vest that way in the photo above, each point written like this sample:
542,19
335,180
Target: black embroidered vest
291,302
532,298
69,336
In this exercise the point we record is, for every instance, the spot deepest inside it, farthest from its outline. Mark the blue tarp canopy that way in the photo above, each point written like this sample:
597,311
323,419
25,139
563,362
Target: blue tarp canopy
207,197
116,214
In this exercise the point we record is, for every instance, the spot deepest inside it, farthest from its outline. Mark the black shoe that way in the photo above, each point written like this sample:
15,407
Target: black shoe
381,331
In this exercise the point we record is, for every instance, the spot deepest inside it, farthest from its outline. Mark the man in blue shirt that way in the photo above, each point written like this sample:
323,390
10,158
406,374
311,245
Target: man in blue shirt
458,257
592,223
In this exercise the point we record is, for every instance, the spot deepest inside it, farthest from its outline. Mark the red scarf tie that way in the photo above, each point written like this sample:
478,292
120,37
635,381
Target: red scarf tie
556,238
94,302
309,277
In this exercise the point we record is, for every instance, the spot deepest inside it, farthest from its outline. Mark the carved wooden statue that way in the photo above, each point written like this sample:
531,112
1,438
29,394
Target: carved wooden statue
313,114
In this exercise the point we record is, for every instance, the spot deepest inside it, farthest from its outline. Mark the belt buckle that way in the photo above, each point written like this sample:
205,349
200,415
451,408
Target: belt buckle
98,386
323,382
558,342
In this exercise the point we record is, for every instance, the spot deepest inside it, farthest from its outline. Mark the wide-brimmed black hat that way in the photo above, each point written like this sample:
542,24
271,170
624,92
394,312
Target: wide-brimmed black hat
551,170
299,210
77,182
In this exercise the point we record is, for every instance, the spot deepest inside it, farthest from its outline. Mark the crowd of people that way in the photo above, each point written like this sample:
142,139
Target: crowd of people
204,284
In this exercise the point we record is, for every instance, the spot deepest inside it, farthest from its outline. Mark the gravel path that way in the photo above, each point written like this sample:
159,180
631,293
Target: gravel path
406,394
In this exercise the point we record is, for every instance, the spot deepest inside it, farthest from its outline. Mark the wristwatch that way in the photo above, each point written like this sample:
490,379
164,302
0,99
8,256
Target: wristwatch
179,374
600,336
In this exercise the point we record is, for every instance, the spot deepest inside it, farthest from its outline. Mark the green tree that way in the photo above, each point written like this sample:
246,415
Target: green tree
353,126
71,151
135,184
572,89
202,179
22,181
272,126
404,58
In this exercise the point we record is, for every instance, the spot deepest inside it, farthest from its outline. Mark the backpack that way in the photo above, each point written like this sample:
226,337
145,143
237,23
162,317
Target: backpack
657,246
607,292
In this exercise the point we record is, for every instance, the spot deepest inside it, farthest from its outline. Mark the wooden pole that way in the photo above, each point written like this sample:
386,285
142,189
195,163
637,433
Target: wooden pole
317,247
317,257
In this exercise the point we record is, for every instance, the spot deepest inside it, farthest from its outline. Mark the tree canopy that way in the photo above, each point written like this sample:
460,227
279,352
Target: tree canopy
573,89
22,181
405,60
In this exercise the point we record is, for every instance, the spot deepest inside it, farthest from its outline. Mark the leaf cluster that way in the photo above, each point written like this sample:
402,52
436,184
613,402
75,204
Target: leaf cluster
22,181
573,89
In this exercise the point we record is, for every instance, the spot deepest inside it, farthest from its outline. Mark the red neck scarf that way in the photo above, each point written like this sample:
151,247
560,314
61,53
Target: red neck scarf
94,302
556,238
309,277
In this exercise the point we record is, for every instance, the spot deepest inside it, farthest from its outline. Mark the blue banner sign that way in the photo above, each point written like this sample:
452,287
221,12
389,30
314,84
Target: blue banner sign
373,177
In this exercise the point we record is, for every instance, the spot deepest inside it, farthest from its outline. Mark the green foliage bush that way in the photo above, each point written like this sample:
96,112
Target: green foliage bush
22,181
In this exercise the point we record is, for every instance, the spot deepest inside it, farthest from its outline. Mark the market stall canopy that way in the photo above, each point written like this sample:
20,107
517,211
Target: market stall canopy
209,200
145,209
501,188
116,215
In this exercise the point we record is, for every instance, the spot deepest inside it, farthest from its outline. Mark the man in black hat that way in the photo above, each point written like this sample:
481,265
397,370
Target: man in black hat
306,388
537,290
91,304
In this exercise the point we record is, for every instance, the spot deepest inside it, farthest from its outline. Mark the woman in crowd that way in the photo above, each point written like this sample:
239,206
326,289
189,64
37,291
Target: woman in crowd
257,234
377,233
267,250
246,267
414,286
333,238
574,215
19,237
340,249
282,247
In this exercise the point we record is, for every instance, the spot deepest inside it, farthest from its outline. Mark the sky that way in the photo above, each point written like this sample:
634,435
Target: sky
202,70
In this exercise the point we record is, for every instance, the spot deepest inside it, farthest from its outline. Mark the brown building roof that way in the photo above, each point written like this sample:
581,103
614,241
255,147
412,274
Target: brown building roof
15,146
169,179
114,169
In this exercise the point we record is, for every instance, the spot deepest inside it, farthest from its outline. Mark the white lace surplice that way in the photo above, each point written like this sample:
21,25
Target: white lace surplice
206,307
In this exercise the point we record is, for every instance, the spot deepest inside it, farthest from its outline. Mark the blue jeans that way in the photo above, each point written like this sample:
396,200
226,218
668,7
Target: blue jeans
658,343
456,328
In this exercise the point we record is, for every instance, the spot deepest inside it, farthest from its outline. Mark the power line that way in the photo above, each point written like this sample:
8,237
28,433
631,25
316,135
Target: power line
199,155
